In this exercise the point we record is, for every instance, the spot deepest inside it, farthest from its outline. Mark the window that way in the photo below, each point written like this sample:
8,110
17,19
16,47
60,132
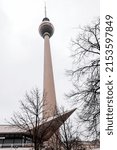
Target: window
8,143
17,142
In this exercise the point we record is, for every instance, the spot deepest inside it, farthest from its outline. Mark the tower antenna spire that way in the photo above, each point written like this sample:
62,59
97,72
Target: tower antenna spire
45,10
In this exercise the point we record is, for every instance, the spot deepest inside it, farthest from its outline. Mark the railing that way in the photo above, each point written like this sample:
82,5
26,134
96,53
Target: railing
16,145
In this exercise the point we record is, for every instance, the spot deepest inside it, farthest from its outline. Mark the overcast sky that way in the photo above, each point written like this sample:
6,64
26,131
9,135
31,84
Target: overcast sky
21,46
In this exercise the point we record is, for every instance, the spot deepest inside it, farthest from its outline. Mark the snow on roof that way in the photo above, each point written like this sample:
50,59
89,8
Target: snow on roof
9,129
19,148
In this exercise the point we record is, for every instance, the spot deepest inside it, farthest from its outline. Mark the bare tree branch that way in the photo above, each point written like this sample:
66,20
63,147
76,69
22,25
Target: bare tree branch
85,77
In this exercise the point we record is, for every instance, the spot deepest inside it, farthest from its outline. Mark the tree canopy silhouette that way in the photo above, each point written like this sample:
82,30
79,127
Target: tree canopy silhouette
85,76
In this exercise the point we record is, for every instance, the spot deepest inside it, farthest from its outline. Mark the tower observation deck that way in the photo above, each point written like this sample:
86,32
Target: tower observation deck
46,28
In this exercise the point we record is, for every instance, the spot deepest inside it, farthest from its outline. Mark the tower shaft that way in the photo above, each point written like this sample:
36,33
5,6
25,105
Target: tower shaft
46,30
49,108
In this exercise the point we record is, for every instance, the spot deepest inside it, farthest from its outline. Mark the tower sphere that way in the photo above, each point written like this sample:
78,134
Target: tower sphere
46,28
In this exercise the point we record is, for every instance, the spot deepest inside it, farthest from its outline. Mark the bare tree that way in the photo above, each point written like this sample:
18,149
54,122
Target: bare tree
30,119
67,137
30,116
85,76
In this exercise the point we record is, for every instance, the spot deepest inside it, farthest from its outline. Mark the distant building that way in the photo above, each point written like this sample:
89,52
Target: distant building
77,144
11,136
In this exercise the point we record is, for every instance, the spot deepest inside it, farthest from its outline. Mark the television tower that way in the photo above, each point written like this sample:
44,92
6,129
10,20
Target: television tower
46,30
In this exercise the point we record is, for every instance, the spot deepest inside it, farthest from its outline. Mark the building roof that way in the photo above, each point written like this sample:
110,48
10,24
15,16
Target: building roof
10,129
51,126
